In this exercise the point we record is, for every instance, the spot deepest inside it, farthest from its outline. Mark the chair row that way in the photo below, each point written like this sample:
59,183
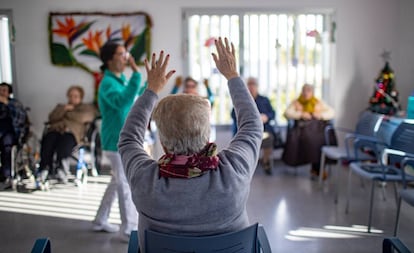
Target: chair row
378,150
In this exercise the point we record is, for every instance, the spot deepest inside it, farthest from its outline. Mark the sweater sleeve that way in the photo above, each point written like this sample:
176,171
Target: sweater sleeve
245,146
327,111
291,112
57,113
268,109
131,141
118,97
82,113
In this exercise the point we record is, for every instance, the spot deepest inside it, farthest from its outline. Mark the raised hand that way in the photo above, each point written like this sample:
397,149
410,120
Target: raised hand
132,63
225,59
156,73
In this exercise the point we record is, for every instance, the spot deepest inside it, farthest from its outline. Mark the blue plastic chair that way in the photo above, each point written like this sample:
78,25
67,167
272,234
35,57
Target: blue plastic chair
386,169
405,194
42,245
368,125
392,245
250,239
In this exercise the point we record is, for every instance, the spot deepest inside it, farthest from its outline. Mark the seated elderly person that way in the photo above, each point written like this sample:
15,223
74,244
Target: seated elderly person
191,87
267,114
306,138
14,125
66,128
191,190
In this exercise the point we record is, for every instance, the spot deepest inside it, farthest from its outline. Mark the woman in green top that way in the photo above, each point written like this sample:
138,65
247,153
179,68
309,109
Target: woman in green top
115,97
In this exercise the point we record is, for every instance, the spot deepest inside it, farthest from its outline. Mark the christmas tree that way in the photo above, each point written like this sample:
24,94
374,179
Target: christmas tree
385,97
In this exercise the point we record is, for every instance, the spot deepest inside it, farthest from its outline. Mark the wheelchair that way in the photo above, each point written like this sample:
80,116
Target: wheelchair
86,157
25,161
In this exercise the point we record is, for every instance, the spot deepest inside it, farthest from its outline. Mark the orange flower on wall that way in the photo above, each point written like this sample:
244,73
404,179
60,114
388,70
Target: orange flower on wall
93,42
76,38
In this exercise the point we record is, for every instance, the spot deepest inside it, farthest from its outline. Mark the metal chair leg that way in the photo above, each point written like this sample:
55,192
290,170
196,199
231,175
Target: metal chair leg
397,219
321,168
348,191
371,203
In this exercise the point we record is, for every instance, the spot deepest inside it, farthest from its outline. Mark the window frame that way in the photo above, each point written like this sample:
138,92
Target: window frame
9,14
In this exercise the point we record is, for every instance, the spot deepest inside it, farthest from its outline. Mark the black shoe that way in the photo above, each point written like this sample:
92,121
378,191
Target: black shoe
267,168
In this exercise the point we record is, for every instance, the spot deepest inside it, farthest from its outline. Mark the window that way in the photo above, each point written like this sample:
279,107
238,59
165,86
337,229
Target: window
283,50
6,47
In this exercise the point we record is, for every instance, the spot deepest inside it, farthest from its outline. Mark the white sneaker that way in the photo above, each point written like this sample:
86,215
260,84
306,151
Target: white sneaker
105,227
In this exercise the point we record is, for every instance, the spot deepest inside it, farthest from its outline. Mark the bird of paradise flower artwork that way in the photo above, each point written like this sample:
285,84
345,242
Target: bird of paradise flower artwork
76,38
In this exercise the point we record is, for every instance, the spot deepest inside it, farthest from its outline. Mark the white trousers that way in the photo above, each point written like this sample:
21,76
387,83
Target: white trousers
118,186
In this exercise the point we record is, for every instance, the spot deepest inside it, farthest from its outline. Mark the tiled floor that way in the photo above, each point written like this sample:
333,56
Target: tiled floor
298,215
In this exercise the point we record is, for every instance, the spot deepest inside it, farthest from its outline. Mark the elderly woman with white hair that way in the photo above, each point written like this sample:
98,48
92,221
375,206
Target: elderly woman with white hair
191,190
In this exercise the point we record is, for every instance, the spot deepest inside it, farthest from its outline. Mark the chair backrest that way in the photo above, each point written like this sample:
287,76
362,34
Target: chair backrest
403,137
367,124
246,240
385,128
392,245
402,140
42,245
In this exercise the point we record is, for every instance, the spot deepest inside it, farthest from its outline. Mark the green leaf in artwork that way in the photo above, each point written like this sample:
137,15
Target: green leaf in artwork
78,46
138,50
61,55
90,53
83,27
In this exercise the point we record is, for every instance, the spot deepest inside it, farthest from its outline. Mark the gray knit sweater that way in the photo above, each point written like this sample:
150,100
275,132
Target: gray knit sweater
213,203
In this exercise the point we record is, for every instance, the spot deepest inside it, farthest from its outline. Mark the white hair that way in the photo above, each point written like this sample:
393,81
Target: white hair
183,123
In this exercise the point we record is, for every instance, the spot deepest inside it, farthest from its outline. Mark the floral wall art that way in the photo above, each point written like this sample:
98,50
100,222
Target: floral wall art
75,38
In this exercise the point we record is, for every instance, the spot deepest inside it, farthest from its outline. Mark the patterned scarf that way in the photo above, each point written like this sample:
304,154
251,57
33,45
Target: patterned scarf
308,104
183,166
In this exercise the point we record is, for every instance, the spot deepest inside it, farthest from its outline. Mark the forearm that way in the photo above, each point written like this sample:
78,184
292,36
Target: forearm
57,114
327,112
292,113
248,116
131,141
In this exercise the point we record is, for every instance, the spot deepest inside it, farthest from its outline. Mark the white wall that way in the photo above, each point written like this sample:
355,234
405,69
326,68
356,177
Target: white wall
405,57
364,29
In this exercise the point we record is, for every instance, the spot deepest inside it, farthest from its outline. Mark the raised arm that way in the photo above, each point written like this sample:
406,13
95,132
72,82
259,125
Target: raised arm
131,142
246,143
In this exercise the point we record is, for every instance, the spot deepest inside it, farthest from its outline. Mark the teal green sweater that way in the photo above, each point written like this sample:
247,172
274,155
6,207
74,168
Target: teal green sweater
115,98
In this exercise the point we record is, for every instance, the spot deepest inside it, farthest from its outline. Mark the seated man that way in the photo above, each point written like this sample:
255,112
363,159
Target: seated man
66,128
305,140
191,190
14,125
267,114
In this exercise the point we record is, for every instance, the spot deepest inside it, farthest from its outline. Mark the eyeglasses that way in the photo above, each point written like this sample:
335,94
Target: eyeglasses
123,54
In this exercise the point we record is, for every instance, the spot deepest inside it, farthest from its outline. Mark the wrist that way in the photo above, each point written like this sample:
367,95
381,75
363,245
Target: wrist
232,75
